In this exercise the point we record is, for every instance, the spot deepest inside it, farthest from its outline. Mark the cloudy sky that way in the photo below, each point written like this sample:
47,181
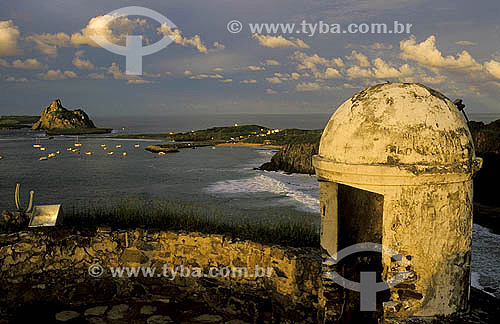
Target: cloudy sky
46,53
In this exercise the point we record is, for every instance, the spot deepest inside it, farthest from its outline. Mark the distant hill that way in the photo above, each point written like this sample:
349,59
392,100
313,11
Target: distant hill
16,122
250,134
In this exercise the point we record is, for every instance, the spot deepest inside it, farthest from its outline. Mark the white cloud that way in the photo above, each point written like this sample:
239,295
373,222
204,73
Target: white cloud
378,46
138,81
152,75
206,76
421,76
57,75
28,64
112,27
272,62
9,37
436,79
177,37
48,43
314,62
218,45
338,62
465,43
352,86
82,63
118,74
271,91
331,73
308,86
248,81
493,68
283,76
360,57
383,70
309,61
255,68
279,41
429,56
14,79
357,72
115,71
274,80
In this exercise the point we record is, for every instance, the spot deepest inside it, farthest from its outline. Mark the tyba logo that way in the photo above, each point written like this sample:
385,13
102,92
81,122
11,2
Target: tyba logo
133,49
368,285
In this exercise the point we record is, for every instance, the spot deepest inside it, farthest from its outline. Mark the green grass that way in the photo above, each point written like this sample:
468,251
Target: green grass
17,121
181,216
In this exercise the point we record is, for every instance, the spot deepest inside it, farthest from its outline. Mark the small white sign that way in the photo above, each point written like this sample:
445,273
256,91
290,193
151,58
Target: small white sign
45,215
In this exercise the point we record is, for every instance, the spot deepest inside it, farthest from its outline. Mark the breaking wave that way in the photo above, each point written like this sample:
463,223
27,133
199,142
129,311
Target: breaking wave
299,192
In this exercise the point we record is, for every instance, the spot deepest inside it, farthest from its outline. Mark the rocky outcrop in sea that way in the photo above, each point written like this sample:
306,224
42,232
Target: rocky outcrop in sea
56,116
293,158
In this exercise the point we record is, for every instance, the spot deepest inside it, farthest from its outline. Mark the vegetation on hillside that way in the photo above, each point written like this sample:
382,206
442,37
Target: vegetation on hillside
15,122
253,134
289,136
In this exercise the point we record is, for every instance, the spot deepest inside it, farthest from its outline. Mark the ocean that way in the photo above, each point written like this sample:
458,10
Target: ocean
221,178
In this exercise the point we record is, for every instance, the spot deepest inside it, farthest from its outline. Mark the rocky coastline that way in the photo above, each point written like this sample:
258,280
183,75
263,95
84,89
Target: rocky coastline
296,158
293,158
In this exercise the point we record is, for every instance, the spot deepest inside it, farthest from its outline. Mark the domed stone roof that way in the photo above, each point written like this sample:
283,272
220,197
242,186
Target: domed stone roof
399,124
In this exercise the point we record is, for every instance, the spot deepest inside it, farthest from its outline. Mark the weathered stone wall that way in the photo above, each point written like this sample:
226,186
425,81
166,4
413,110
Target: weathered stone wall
51,265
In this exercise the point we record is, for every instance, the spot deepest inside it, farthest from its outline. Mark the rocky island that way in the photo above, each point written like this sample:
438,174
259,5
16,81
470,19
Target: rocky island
57,120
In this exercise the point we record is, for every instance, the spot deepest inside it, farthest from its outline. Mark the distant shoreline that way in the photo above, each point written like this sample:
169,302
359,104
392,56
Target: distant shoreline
77,131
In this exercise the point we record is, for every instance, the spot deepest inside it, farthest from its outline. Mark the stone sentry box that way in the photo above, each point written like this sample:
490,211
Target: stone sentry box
395,167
